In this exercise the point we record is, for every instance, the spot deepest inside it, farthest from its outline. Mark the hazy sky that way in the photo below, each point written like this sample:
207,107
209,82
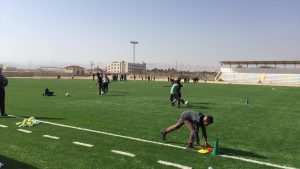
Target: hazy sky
193,32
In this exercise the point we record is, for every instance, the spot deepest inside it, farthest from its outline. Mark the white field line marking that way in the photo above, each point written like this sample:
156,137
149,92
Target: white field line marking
52,137
158,143
3,126
123,153
173,164
257,162
24,131
83,144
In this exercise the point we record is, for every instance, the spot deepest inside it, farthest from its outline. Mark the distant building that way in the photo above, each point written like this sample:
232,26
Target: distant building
126,67
75,70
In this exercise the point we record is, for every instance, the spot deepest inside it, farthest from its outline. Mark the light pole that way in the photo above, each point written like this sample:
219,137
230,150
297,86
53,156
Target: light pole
134,43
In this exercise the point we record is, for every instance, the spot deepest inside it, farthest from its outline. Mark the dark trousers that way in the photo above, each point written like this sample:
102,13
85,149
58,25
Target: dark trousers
105,87
2,100
100,87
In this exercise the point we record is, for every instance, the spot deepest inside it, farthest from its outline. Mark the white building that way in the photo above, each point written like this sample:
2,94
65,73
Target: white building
75,70
126,67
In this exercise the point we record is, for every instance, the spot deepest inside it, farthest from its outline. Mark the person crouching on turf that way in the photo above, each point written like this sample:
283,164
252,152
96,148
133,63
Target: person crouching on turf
193,120
47,92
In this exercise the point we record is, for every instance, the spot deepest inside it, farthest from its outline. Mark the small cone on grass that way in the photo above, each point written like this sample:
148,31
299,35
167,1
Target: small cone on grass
216,148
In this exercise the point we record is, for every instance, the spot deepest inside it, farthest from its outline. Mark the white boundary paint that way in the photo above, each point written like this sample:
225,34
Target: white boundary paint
173,164
159,143
52,137
257,162
83,144
3,126
123,153
24,131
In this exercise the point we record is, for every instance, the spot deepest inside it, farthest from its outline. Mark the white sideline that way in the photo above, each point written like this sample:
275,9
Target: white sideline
83,144
159,143
52,137
3,126
173,164
24,131
123,153
257,162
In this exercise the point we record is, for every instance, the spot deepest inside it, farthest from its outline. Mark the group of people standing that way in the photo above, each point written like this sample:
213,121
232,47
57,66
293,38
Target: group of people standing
102,82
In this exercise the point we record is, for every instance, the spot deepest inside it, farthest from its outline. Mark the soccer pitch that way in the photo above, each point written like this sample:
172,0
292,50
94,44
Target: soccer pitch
130,117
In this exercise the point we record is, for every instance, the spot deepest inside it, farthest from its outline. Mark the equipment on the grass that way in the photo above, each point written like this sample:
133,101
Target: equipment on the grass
67,94
28,122
203,151
186,102
1,165
216,148
210,167
210,149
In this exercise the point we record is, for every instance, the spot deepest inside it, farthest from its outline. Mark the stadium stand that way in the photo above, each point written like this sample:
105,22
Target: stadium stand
268,72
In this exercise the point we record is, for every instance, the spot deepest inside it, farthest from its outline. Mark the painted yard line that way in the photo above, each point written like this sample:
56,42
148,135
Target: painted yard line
83,144
3,126
257,162
158,143
24,131
111,134
52,137
173,164
123,153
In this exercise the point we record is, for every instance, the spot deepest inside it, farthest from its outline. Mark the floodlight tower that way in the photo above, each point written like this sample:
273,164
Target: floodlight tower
134,43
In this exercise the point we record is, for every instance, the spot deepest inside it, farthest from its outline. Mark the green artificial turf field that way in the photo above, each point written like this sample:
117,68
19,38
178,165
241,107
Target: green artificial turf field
266,130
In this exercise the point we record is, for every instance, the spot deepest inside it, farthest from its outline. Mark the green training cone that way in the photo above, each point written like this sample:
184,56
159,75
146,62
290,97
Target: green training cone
216,148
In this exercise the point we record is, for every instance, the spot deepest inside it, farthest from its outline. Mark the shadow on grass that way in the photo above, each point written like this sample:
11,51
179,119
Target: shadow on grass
241,153
14,164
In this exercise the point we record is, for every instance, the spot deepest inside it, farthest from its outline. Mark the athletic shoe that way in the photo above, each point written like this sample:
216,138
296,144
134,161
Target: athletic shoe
163,135
4,114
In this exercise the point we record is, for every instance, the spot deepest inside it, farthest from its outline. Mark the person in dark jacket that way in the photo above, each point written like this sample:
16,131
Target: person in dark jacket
194,121
3,84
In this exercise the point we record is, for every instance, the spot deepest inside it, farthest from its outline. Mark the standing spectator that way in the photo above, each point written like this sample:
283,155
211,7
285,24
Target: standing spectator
93,76
99,82
3,84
